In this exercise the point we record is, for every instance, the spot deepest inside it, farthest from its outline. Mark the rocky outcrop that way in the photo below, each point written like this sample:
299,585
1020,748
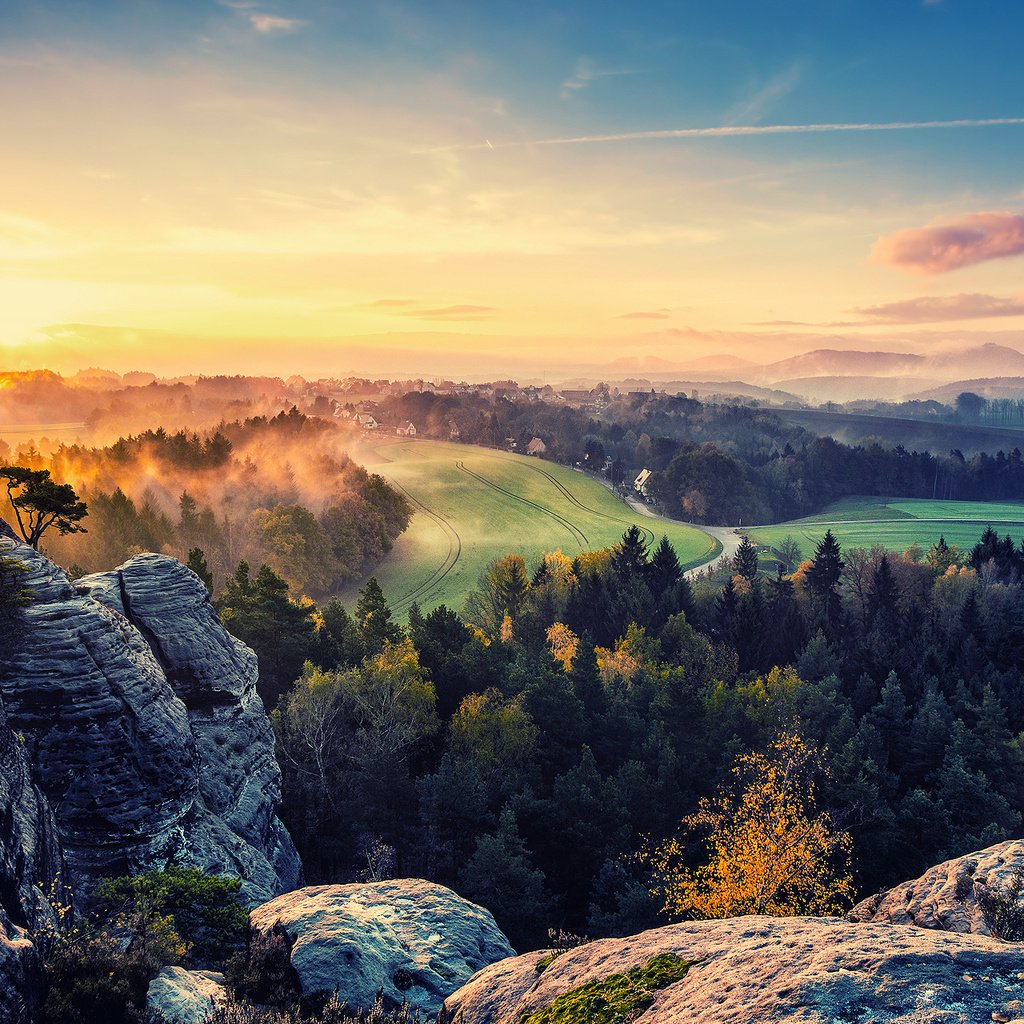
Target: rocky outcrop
29,857
758,969
947,895
142,722
185,997
411,940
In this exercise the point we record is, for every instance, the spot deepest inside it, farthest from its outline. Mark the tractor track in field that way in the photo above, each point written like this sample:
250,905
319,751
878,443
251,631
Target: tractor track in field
448,563
648,534
574,531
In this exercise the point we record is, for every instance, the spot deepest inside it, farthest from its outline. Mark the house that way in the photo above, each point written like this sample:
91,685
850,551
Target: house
536,447
406,429
366,421
640,483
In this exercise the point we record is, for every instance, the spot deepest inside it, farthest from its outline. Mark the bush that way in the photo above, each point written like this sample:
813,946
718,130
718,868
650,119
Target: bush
202,909
264,974
1004,911
93,981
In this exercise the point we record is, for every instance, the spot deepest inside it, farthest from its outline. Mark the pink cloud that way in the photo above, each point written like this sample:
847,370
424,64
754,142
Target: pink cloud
940,248
940,308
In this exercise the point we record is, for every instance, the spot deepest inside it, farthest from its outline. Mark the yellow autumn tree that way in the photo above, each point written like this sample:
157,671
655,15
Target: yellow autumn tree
769,850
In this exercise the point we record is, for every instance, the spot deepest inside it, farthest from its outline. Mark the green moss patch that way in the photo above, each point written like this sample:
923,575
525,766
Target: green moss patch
617,999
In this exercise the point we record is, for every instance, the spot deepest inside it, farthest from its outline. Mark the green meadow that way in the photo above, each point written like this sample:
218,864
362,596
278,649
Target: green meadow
897,523
472,505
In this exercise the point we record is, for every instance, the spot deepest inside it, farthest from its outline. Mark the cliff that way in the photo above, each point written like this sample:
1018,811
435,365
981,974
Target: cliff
143,727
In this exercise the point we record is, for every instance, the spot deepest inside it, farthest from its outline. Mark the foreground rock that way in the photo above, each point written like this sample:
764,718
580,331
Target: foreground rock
759,969
185,997
947,895
29,854
411,940
144,728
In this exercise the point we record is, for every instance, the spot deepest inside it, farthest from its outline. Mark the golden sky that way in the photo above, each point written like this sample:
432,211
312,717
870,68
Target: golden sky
241,187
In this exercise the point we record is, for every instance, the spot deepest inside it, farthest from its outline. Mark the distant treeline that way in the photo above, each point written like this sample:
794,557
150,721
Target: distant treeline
715,463
277,490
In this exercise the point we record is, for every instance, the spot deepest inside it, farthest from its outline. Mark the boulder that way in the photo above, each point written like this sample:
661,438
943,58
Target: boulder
410,940
143,725
946,896
185,997
760,969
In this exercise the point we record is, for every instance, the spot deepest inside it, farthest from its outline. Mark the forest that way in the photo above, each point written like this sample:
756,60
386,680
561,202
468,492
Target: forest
279,490
529,749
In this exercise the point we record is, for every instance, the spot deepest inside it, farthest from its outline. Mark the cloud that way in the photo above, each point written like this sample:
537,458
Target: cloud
742,130
940,308
755,106
584,74
653,314
267,24
940,248
392,303
459,312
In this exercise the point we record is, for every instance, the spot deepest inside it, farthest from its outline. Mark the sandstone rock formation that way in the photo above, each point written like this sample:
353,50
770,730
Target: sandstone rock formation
185,997
946,896
29,854
143,726
411,940
759,969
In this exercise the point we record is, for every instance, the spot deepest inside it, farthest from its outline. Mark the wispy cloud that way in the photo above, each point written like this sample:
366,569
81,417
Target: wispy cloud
939,248
264,23
459,312
584,74
941,308
653,314
743,130
757,105
267,24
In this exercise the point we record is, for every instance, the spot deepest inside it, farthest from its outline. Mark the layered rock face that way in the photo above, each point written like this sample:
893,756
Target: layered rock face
946,896
29,854
144,728
761,969
411,940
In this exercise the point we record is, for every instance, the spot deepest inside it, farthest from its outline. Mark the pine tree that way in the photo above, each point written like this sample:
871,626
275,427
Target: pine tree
373,619
823,576
197,563
746,559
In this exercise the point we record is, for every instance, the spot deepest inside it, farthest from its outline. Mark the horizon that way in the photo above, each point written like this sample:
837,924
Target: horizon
223,187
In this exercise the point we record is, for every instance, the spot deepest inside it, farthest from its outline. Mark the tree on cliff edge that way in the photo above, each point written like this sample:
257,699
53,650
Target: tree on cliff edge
40,503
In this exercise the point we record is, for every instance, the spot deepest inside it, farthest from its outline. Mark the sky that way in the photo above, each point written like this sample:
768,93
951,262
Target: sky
401,188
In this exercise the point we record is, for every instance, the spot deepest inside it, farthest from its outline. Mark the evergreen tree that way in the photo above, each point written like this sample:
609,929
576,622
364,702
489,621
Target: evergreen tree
746,559
373,619
197,563
823,575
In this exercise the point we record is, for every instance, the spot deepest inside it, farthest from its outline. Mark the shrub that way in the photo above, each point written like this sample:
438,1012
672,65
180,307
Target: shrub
264,974
1004,911
202,909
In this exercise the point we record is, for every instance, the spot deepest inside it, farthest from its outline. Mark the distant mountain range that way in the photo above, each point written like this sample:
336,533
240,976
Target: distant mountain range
843,375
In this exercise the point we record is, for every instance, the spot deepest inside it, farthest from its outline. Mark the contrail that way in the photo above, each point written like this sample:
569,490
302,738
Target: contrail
734,130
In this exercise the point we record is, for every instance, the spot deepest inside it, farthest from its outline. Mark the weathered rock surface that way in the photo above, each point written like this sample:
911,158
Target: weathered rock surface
946,896
29,854
415,941
760,969
186,997
144,728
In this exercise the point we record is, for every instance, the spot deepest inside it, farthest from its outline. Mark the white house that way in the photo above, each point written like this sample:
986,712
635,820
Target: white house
366,421
640,483
406,429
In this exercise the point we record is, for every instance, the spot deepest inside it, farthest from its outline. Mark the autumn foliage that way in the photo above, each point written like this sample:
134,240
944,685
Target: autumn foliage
769,852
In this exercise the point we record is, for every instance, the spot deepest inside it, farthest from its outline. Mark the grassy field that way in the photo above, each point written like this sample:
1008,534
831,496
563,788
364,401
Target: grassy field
897,523
475,504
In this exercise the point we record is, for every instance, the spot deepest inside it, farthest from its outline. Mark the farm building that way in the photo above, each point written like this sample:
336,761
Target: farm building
366,421
406,429
640,483
536,447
